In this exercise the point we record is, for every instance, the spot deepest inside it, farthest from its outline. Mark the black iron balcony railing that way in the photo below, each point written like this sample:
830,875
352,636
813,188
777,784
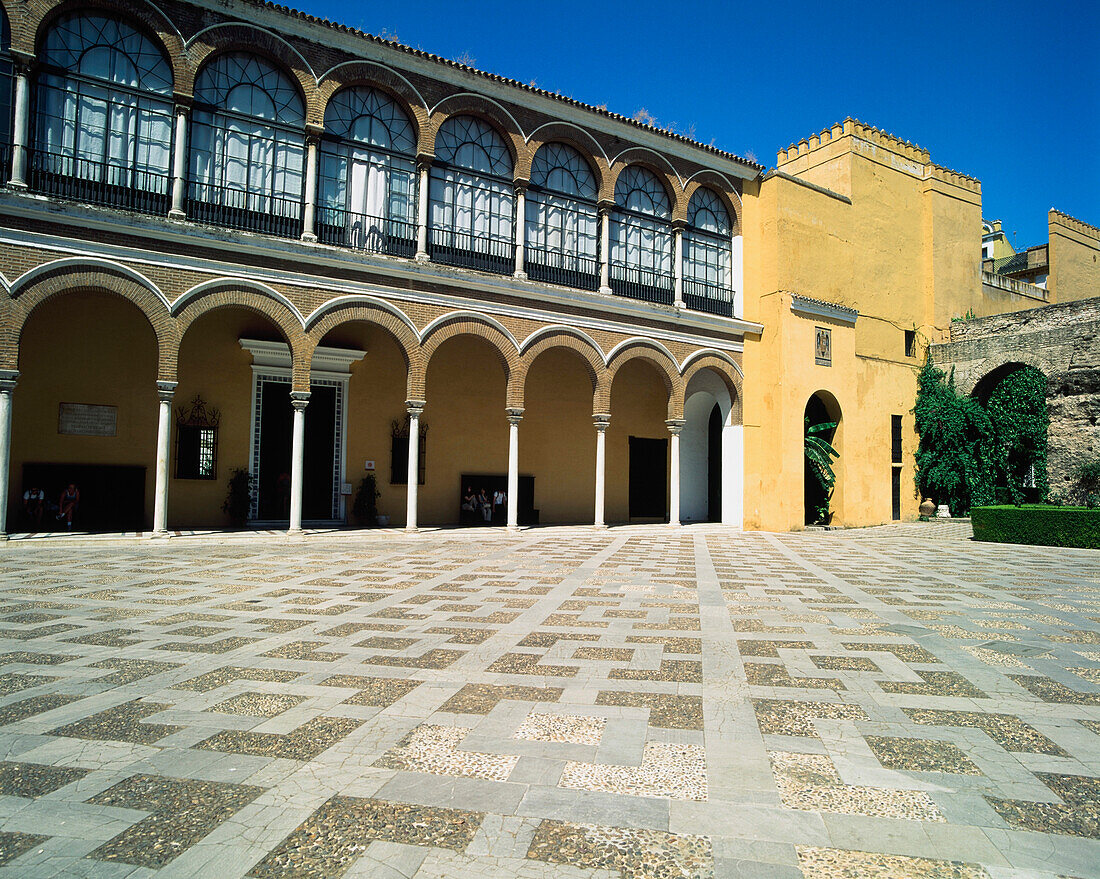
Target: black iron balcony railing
250,211
558,267
712,298
362,232
95,181
635,282
471,251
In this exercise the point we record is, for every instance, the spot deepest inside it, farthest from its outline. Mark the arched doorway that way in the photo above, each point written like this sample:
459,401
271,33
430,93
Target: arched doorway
823,506
638,444
1014,396
707,411
86,412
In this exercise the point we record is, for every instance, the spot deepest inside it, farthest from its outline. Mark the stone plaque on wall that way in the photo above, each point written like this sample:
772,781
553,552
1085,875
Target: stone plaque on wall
87,419
823,348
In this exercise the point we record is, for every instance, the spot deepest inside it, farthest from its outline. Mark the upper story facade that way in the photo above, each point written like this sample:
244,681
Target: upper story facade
223,118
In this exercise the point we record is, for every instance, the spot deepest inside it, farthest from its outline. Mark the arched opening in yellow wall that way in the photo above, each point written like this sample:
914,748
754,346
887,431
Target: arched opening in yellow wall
465,392
557,440
707,411
637,472
85,412
214,368
822,508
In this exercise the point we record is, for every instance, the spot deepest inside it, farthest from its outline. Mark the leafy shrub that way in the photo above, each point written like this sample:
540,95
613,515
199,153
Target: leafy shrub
365,506
238,496
1038,525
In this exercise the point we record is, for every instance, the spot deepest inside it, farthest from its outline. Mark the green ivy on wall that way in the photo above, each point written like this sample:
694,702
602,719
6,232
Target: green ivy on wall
967,451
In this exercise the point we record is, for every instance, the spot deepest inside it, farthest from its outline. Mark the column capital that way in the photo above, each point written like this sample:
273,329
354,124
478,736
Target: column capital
415,408
8,380
514,414
679,225
601,422
675,425
424,162
166,391
521,184
605,205
22,63
299,400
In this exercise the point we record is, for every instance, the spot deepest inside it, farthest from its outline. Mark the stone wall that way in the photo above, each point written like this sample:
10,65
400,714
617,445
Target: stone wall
1063,342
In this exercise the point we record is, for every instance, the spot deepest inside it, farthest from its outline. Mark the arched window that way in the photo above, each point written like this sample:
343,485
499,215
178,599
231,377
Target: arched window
641,238
368,174
6,83
247,146
472,197
707,265
104,115
562,222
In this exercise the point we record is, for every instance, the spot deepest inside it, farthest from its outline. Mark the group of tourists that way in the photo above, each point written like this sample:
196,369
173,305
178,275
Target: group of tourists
36,508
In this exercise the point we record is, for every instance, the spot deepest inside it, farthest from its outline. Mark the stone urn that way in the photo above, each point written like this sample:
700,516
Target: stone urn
927,508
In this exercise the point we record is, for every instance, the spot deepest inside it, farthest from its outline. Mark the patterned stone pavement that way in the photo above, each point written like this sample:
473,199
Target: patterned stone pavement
635,702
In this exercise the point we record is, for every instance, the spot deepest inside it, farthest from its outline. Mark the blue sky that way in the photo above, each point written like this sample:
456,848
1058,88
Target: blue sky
1008,93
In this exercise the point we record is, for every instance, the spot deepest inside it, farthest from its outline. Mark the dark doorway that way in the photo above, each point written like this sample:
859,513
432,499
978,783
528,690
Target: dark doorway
816,500
112,497
276,426
648,491
320,452
895,493
714,465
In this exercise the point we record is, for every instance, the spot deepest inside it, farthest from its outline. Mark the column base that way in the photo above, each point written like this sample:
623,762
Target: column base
3,536
176,215
17,184
421,256
600,526
679,305
607,291
411,529
309,237
160,535
520,276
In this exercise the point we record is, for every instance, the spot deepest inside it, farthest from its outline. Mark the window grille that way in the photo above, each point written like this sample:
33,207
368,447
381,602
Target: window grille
197,441
399,452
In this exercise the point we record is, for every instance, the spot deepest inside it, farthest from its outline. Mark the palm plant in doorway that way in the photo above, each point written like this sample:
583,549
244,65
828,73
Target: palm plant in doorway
820,455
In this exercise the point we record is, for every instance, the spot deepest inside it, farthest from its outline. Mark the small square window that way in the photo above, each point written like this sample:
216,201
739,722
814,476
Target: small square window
823,347
910,343
399,453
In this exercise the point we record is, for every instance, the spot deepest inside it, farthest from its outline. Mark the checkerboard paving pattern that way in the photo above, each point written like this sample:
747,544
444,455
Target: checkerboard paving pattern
562,702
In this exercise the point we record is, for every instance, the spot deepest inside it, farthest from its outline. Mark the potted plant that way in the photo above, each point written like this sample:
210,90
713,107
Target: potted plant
365,506
238,497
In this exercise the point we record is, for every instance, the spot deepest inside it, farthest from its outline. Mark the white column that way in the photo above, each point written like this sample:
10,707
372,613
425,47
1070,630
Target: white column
515,416
309,213
179,166
521,231
7,385
602,422
299,400
738,278
165,392
415,408
21,130
605,249
678,265
674,428
422,213
733,475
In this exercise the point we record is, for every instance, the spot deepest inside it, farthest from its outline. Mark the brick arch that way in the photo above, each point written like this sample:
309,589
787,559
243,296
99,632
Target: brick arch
234,294
29,22
466,324
660,359
375,76
727,372
484,109
49,283
715,183
255,40
568,340
997,363
377,316
561,132
650,161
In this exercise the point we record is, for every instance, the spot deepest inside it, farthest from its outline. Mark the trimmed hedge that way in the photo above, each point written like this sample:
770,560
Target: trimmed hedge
1038,524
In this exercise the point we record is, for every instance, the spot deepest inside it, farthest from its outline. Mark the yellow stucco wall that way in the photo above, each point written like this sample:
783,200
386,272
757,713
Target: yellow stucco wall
1074,255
